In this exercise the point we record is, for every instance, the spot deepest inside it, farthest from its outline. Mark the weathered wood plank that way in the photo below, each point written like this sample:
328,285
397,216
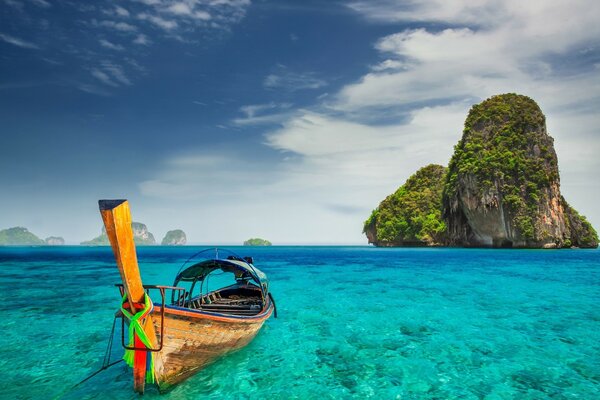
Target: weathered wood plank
117,221
192,343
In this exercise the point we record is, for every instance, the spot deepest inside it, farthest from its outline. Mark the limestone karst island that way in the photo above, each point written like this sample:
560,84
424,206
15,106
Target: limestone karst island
19,236
501,189
142,237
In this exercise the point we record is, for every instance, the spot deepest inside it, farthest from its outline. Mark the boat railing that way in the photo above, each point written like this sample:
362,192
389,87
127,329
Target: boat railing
162,289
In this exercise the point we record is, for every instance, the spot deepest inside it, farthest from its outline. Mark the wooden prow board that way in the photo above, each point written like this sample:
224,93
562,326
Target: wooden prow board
117,221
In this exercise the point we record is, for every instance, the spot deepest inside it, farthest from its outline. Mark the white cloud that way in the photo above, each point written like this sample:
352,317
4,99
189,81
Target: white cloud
293,81
110,74
110,45
121,12
117,72
103,77
254,114
179,8
337,161
330,173
165,24
142,39
187,9
18,42
389,65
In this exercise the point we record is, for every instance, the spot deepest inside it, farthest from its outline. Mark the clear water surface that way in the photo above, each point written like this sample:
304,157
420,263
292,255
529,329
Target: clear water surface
354,322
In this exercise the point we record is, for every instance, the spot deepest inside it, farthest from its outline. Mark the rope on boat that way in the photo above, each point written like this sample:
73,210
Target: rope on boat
105,362
274,305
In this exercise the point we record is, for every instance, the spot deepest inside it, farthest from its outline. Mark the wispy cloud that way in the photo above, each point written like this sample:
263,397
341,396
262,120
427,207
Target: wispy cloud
103,77
121,12
115,25
18,5
167,24
18,42
256,114
110,74
110,45
142,39
41,3
187,9
92,89
293,81
117,72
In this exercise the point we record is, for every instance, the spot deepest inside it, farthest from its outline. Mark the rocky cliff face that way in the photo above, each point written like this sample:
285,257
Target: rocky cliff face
412,215
174,238
141,236
502,188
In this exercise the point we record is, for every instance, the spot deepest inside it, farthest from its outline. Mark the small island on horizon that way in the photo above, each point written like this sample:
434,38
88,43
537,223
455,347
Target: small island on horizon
257,242
20,236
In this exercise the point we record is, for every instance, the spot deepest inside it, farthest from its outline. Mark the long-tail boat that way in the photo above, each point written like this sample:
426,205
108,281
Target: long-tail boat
170,342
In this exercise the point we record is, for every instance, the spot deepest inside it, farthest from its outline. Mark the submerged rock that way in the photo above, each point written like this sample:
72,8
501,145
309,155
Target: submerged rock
503,185
412,215
174,238
54,241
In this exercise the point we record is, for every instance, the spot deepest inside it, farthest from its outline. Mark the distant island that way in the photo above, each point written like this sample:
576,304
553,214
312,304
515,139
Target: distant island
141,236
54,241
501,189
257,242
19,236
174,238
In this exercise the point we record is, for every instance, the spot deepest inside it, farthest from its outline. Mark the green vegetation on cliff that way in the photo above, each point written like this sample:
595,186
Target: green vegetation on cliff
101,240
582,233
503,185
257,242
505,143
19,236
411,215
501,189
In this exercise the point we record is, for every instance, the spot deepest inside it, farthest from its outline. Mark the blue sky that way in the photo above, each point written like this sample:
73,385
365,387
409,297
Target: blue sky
289,120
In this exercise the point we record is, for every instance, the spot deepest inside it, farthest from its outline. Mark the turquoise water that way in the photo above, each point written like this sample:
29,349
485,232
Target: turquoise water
354,322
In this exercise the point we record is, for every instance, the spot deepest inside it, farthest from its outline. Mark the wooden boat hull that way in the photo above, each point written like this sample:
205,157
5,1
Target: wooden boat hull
193,339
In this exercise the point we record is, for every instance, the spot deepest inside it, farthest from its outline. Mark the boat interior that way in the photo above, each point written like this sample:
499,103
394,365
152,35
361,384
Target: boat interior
247,295
234,300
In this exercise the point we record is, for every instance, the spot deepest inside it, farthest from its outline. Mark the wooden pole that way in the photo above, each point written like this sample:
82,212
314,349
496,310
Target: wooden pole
117,221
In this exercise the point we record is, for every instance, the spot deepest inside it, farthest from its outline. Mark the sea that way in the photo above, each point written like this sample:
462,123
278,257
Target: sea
353,323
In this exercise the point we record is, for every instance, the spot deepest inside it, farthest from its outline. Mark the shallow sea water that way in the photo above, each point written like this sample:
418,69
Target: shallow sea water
354,322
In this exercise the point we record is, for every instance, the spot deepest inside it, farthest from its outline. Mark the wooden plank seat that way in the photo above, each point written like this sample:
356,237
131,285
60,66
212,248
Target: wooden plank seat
230,310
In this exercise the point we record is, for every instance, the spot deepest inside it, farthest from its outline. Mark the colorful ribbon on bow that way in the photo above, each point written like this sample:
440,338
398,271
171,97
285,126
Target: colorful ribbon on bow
137,330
